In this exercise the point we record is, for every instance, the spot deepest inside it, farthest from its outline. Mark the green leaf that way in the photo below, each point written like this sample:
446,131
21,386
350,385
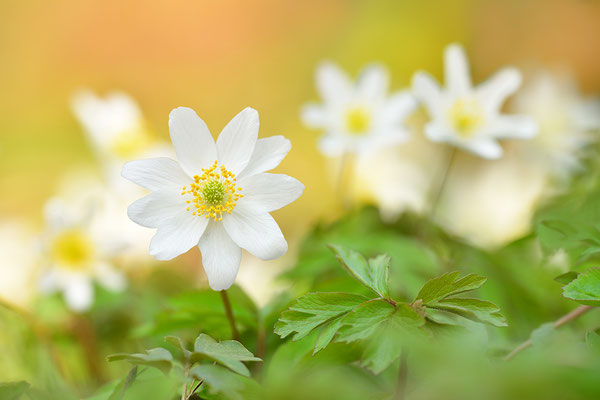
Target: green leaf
327,334
119,390
365,320
157,358
541,335
228,353
585,289
448,285
220,381
567,277
177,342
592,339
313,310
13,390
373,273
473,309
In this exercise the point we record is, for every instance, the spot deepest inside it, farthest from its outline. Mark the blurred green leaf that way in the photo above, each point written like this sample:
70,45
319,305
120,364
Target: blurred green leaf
585,289
228,353
313,310
592,339
123,385
473,309
157,358
220,381
373,273
567,277
13,390
541,335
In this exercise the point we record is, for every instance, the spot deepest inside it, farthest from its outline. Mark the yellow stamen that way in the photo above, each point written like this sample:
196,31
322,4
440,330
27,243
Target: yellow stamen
466,116
72,249
358,120
214,192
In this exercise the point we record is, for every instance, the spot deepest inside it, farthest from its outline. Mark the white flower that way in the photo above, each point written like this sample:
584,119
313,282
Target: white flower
217,196
77,250
469,117
114,124
566,119
18,267
357,117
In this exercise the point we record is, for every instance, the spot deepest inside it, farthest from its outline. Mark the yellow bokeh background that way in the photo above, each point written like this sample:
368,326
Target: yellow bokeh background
219,57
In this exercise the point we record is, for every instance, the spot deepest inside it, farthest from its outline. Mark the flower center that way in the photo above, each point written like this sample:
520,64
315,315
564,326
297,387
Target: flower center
72,249
213,193
128,144
466,116
358,120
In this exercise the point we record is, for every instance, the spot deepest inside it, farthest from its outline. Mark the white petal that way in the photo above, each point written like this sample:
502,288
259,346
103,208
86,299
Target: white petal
79,293
427,91
399,106
438,133
457,76
157,207
373,83
483,148
193,143
513,127
313,116
177,235
269,192
268,153
156,173
220,256
496,89
237,140
109,277
332,83
333,146
255,231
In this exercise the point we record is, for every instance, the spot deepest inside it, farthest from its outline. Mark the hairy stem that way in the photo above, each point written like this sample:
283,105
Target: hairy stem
571,316
440,191
229,313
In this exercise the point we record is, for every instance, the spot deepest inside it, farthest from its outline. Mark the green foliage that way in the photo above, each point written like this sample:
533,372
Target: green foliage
228,353
585,289
382,323
438,292
13,390
156,358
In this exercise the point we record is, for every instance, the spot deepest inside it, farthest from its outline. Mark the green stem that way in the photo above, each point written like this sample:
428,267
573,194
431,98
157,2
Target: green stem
229,313
571,316
402,375
440,191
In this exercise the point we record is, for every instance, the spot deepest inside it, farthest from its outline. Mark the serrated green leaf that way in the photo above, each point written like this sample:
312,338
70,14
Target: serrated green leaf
313,310
158,358
220,381
366,319
228,353
13,390
473,309
326,336
373,273
567,277
585,289
448,285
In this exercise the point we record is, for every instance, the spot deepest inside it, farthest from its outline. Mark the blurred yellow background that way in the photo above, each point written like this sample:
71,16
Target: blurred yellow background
219,57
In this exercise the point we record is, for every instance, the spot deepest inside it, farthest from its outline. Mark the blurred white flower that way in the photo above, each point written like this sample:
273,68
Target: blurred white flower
217,196
357,117
113,125
469,117
78,249
567,121
18,281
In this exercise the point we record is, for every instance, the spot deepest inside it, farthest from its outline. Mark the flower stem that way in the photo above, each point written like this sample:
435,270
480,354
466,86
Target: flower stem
84,332
573,315
438,196
343,178
402,375
229,313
